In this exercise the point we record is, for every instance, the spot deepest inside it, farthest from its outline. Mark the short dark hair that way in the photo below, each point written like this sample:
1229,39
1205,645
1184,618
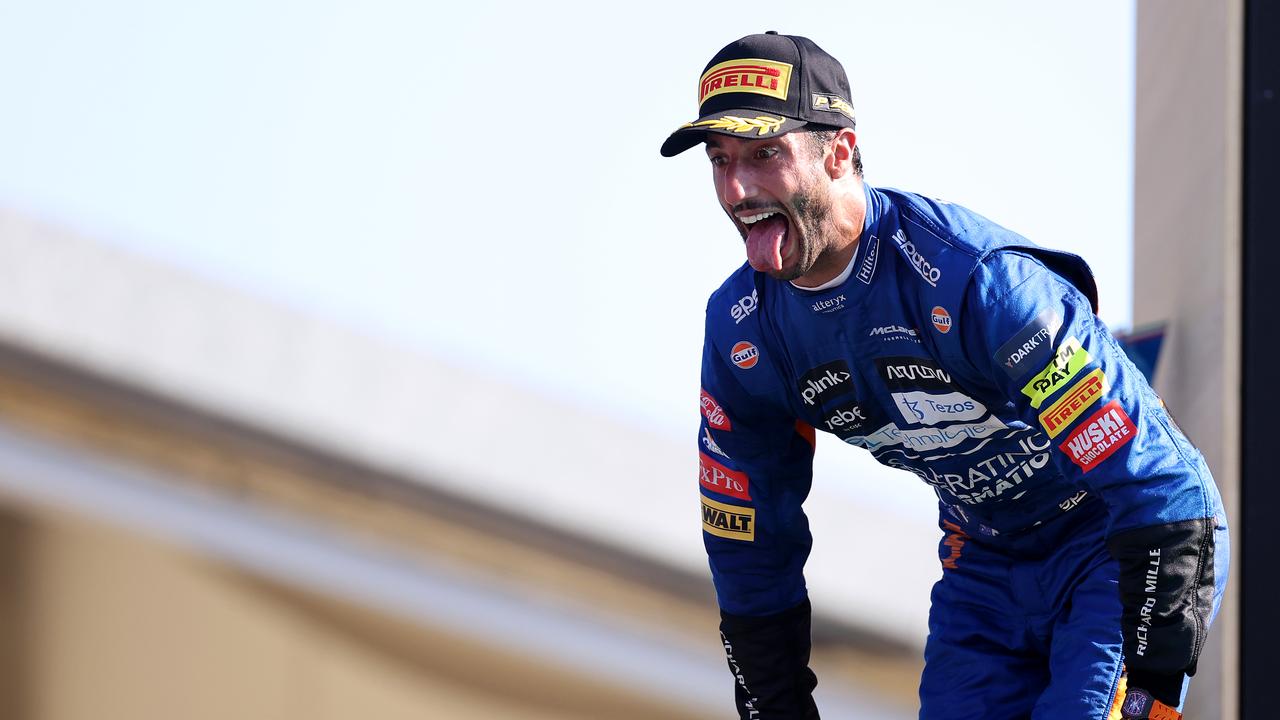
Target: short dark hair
820,136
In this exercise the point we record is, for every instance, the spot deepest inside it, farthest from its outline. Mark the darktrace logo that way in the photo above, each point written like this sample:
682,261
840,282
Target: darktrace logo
825,381
1031,346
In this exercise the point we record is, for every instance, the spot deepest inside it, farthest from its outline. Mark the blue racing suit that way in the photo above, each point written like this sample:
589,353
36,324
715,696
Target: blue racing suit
1081,529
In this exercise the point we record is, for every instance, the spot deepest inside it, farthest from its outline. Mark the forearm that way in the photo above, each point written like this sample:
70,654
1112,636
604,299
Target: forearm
769,658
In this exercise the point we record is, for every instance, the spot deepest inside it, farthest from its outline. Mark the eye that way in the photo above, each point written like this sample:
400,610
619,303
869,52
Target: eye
717,160
765,152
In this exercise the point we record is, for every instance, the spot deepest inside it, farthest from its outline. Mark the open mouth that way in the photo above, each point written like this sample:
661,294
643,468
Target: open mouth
767,234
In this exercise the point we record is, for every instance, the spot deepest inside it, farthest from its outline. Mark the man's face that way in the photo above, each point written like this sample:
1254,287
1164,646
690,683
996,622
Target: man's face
777,193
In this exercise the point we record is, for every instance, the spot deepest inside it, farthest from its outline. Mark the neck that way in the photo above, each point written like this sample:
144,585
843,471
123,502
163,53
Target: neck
848,214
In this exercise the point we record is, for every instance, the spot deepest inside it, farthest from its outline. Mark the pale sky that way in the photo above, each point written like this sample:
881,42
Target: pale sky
482,181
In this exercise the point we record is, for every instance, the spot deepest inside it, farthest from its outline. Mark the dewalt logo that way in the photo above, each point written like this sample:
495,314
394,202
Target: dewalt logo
728,521
1066,364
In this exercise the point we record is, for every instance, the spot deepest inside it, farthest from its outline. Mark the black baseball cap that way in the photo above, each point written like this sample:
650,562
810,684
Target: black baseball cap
763,86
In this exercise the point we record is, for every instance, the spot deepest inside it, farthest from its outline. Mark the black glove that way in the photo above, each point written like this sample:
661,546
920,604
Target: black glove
769,659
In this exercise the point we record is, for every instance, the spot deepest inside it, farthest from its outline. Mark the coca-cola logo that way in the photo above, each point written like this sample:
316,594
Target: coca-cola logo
714,414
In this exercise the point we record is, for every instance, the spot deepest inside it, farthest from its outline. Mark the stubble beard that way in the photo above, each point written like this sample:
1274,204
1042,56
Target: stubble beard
812,226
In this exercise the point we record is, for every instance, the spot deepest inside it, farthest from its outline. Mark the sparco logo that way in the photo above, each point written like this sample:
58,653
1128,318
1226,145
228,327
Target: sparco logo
825,381
745,306
922,265
744,355
714,414
829,304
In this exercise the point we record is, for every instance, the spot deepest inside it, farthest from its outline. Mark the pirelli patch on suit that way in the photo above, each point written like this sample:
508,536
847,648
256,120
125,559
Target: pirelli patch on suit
728,521
1074,402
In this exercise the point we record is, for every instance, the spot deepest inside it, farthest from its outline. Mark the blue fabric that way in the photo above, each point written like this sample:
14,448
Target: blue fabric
927,356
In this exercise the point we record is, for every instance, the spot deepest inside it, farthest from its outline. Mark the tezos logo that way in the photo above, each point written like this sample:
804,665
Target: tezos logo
746,305
744,355
941,319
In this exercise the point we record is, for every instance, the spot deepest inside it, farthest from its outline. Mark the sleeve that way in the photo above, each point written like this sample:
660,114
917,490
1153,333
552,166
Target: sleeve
1035,336
755,470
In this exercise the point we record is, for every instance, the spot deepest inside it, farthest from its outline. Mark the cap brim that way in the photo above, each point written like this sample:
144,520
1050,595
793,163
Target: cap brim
745,124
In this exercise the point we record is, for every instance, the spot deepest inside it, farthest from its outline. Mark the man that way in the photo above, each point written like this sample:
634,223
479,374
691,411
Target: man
1083,533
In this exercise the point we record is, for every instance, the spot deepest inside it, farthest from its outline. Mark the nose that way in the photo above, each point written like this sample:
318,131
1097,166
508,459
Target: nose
737,184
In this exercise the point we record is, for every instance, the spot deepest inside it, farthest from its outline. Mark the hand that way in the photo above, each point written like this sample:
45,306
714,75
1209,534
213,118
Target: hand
1139,705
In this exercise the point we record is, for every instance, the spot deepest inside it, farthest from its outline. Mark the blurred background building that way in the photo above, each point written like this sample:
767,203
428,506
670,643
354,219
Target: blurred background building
272,447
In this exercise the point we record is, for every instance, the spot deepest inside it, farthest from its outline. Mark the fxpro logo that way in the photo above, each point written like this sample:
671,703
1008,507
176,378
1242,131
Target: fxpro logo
746,305
825,381
917,259
922,408
719,478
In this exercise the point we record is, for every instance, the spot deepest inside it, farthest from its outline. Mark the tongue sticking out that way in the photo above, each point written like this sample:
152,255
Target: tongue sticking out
764,243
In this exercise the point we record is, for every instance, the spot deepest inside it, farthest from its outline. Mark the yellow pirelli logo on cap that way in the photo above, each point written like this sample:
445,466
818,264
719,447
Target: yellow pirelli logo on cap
728,521
749,75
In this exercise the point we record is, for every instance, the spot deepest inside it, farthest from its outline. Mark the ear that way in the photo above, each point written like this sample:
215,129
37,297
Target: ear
839,162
